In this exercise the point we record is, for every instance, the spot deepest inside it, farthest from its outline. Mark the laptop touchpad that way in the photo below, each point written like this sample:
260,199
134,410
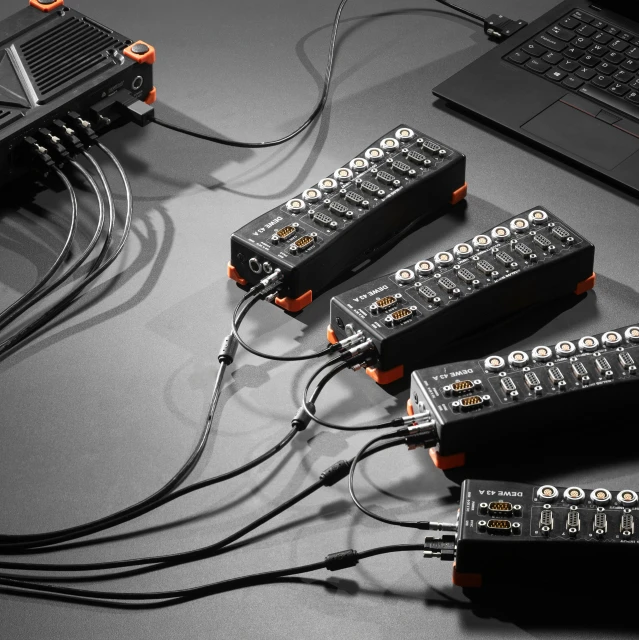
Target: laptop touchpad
584,135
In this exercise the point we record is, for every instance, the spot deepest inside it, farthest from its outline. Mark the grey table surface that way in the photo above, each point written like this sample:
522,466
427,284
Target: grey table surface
100,410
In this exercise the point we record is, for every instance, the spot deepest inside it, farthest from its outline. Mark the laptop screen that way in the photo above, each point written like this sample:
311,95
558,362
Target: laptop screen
627,8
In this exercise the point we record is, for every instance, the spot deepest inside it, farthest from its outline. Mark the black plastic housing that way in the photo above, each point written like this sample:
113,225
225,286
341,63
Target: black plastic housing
361,231
541,275
55,63
582,395
534,558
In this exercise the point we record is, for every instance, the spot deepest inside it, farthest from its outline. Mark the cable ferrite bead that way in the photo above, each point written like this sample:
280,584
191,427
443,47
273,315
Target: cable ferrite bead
342,560
228,350
302,419
335,473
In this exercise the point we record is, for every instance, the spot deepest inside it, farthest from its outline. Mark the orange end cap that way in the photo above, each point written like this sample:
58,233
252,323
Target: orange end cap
145,57
409,408
46,7
386,377
447,462
152,97
295,304
330,335
586,285
460,194
466,580
232,273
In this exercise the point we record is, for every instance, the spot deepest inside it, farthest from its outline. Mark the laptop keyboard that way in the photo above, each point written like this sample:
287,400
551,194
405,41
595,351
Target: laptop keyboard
584,54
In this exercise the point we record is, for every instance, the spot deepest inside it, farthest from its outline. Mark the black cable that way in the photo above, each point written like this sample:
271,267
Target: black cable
252,301
306,403
400,523
331,476
316,112
466,12
17,312
332,562
99,267
62,255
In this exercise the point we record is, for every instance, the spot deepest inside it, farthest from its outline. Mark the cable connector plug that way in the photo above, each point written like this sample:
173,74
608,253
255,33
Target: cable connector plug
40,152
349,341
269,281
358,351
54,143
228,350
302,418
68,134
443,548
498,27
83,127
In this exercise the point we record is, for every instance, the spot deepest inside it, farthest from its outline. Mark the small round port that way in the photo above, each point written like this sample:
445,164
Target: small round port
538,216
588,343
542,354
328,185
627,498
574,495
268,268
601,497
254,265
545,530
518,510
444,258
343,175
494,363
374,154
519,225
388,144
463,250
481,525
424,268
404,276
565,349
499,234
516,528
599,533
359,164
611,339
296,205
548,493
518,359
483,508
572,532
481,242
404,134
312,195
137,83
632,334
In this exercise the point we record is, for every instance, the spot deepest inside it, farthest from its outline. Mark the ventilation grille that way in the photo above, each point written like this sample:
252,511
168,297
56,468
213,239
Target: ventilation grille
66,52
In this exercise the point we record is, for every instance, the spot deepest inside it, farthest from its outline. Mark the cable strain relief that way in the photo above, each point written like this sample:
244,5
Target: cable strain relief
438,526
335,473
342,560
302,418
228,350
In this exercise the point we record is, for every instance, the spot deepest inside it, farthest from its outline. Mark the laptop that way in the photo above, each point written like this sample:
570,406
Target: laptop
568,82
